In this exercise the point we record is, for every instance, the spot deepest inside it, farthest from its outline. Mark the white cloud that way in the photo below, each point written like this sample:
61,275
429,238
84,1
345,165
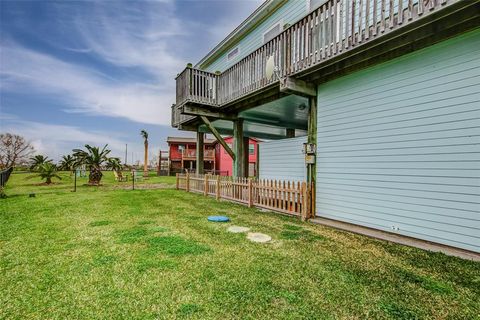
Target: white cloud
141,35
138,36
57,140
83,89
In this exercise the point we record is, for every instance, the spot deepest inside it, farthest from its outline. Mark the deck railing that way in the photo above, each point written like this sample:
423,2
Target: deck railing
193,153
178,117
330,30
287,197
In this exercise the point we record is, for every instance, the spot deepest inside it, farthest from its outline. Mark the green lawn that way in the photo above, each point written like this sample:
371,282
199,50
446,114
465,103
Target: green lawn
112,253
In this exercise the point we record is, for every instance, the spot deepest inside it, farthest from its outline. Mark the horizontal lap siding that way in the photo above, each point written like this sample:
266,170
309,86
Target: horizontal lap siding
283,159
399,145
289,13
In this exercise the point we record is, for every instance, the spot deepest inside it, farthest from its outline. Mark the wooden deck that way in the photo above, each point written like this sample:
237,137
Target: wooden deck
321,38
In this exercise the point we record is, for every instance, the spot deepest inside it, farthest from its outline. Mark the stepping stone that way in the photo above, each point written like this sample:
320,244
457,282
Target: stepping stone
258,237
237,229
218,219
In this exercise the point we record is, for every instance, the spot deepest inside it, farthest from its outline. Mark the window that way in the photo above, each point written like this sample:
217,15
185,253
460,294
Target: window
251,148
272,32
181,147
232,54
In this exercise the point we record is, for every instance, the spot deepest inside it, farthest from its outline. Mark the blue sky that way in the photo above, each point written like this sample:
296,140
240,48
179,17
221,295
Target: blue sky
76,72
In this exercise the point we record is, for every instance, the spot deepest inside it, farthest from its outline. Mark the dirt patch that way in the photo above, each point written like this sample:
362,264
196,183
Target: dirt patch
150,186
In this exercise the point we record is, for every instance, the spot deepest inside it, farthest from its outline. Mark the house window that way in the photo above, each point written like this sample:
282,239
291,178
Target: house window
181,147
272,32
233,54
251,148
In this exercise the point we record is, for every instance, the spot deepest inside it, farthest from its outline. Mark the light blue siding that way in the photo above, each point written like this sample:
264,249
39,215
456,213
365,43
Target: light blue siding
399,145
290,12
283,159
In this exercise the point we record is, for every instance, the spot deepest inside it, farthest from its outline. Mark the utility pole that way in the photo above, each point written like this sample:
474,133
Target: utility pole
126,148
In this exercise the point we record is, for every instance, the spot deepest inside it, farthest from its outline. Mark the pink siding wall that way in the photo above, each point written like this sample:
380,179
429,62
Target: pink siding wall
225,162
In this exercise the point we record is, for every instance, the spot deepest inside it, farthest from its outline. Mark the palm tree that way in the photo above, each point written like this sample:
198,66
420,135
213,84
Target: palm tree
144,135
67,163
93,158
37,161
114,164
46,171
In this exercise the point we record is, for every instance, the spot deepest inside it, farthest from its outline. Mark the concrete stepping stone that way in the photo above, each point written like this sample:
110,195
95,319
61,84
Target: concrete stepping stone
238,229
258,237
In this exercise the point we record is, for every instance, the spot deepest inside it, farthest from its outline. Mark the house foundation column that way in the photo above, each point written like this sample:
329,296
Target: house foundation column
239,169
199,153
312,138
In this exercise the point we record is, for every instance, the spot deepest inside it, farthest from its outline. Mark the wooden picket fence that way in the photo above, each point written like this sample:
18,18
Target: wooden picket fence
293,198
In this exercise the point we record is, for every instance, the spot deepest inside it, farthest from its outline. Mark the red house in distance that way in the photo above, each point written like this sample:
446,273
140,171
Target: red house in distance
224,163
183,152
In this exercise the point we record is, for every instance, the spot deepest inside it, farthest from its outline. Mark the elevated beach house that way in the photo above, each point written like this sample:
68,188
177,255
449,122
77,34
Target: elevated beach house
376,103
183,154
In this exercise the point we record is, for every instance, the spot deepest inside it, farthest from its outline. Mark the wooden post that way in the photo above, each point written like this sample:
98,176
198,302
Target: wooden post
257,164
250,193
187,182
205,187
312,138
246,146
304,214
199,153
177,181
239,146
218,188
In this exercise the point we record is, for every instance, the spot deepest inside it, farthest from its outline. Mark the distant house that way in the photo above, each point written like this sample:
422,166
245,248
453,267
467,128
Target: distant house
183,153
224,162
374,103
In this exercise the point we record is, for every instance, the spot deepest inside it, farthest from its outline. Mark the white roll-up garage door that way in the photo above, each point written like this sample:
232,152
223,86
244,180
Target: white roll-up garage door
399,145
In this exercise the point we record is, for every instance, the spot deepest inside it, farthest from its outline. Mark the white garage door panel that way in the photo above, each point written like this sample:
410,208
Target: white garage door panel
399,145
283,159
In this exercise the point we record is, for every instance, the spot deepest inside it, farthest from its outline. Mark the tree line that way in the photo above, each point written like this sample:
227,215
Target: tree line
17,151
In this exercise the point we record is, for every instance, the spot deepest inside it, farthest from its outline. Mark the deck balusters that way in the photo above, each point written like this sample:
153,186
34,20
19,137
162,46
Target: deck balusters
332,29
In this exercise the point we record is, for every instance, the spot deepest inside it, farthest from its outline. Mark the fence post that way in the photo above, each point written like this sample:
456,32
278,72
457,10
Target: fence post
177,181
218,188
187,183
205,187
250,193
304,213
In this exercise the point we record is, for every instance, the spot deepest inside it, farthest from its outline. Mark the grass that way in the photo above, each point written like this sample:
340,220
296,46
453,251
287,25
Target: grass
108,253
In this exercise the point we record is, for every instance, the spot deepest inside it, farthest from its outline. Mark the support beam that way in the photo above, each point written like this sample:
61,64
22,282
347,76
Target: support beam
290,133
257,163
272,122
246,145
312,138
239,146
298,87
198,111
199,153
218,136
